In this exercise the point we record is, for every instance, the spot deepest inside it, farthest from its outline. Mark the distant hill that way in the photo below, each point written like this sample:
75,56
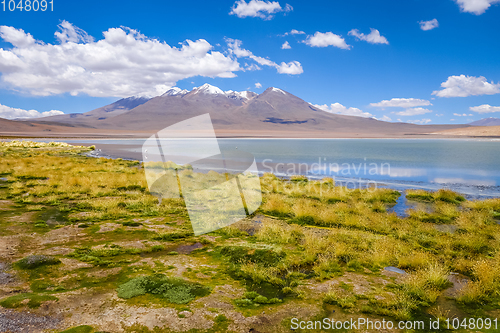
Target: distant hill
89,119
473,131
486,122
273,113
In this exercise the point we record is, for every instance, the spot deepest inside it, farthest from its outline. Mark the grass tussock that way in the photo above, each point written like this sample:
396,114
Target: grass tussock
173,290
442,195
35,261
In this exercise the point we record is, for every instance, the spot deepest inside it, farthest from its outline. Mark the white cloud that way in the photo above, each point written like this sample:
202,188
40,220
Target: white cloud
338,108
401,103
258,8
286,46
463,86
429,25
413,112
384,118
70,33
477,7
258,85
13,113
463,115
252,67
421,121
122,64
373,37
485,108
293,32
320,39
293,67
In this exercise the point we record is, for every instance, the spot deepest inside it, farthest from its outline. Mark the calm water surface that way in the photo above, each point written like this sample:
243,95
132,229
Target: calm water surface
469,166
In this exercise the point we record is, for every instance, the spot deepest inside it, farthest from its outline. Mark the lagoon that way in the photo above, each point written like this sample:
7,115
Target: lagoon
469,166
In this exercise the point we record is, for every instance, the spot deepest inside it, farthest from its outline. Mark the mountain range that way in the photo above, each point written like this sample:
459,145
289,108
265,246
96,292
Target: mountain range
486,122
273,113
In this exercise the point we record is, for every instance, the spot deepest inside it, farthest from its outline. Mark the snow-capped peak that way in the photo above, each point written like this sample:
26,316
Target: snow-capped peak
175,91
278,90
209,89
238,94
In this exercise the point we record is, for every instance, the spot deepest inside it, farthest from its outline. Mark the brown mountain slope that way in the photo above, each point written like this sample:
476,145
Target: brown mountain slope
88,119
274,113
474,131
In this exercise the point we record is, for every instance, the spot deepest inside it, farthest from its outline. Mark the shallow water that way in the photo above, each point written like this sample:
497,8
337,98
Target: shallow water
470,166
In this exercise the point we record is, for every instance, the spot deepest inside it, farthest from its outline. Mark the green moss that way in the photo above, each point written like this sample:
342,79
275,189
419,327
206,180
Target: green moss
239,254
172,236
34,300
174,290
35,261
131,224
79,329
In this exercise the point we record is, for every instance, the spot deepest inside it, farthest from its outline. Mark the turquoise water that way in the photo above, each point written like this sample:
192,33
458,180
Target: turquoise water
469,166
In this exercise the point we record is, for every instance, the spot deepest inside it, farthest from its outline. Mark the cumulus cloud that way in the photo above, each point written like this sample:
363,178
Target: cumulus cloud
420,122
338,108
294,32
485,108
413,112
463,86
324,39
477,7
429,25
8,112
373,37
293,67
123,63
258,8
401,103
258,85
286,46
463,115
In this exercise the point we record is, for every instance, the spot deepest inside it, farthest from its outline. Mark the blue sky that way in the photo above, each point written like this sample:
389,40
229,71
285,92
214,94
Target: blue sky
367,58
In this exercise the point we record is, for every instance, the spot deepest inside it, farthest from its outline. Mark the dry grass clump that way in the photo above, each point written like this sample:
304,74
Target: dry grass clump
485,283
279,233
442,213
32,144
442,195
277,205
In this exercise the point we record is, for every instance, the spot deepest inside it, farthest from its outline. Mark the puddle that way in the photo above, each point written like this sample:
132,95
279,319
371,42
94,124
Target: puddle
53,216
394,269
187,249
403,204
459,281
